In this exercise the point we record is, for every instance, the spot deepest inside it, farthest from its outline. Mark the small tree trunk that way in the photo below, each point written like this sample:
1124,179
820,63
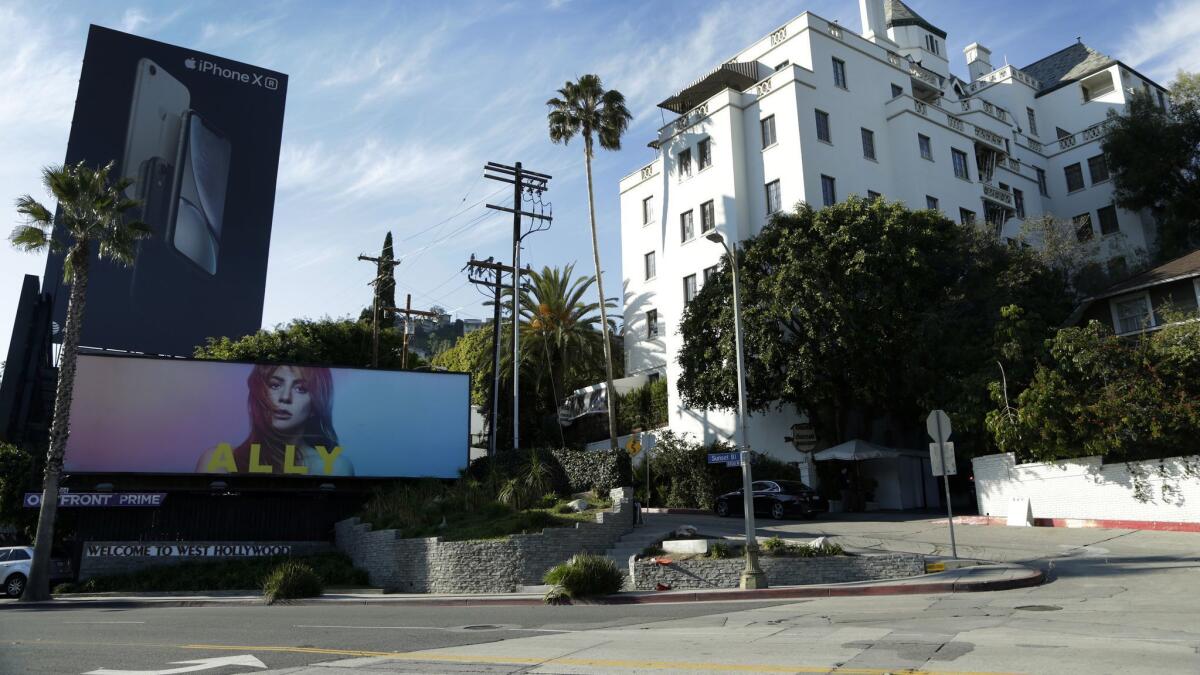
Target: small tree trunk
610,393
37,588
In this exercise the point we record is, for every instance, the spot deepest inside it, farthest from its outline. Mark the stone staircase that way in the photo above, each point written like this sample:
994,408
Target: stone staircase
633,543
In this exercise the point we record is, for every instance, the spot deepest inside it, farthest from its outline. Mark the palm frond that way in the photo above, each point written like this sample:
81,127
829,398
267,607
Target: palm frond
29,238
34,211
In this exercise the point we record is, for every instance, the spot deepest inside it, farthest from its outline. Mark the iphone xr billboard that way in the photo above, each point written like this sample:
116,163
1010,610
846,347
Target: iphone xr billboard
178,416
199,137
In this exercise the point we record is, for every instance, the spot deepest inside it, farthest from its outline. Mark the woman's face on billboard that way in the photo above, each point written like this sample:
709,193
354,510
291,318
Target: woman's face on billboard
291,401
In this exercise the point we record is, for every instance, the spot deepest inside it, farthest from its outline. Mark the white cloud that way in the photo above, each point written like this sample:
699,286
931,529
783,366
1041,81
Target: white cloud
133,19
1166,42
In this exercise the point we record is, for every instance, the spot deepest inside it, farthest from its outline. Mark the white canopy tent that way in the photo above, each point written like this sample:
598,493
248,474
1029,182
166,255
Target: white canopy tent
899,474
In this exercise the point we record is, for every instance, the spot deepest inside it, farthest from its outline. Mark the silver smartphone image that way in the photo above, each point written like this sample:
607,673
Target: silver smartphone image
155,114
202,179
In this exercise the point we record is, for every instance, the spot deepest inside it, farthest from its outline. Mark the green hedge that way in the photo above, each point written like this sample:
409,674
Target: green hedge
644,407
598,470
332,569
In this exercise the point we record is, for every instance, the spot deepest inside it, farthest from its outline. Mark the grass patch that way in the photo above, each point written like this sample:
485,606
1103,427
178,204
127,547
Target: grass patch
495,521
332,569
291,580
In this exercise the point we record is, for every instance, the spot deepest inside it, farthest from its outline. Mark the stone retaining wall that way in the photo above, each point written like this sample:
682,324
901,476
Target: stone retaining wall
481,566
783,571
107,558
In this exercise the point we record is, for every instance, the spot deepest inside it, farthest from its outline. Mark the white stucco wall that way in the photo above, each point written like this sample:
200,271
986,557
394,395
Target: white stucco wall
1088,489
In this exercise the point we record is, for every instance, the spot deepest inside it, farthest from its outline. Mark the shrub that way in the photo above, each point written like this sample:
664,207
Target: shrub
774,546
585,575
291,580
595,470
564,508
333,569
719,550
808,551
548,501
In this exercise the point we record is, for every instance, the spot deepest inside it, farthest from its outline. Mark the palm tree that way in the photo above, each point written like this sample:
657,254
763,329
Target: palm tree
587,109
557,322
92,210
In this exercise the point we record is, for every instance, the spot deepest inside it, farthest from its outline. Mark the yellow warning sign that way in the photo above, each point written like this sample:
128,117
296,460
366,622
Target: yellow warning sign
935,567
633,445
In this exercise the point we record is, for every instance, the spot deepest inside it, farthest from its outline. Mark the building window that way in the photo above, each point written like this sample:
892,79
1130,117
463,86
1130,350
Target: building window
1098,168
686,227
651,323
773,200
689,288
868,140
960,164
873,195
829,190
710,272
1062,133
704,156
651,268
1100,84
654,377
1132,313
1083,226
1074,175
768,131
1043,189
839,73
1107,216
823,126
966,217
1117,267
897,90
926,147
1019,203
648,210
708,218
685,163
783,65
1032,121
931,44
931,203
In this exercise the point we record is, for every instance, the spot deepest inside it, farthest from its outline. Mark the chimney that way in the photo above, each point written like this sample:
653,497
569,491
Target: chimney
979,60
871,12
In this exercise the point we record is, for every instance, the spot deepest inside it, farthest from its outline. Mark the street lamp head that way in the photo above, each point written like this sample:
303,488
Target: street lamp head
715,237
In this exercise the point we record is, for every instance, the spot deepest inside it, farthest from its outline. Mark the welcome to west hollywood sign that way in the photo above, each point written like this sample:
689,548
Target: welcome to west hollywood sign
185,550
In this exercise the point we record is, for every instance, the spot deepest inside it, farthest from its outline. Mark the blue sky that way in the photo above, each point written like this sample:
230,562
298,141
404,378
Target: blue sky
393,108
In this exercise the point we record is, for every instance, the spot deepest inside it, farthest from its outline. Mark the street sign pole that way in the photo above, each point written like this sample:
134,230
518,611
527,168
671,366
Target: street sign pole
938,426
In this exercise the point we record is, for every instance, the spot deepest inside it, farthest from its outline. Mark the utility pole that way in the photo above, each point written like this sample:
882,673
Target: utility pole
480,267
407,311
380,264
528,186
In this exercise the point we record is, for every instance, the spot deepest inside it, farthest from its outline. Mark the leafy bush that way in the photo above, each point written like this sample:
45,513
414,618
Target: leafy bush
585,575
644,407
291,580
564,508
719,550
774,546
823,549
595,470
332,569
548,501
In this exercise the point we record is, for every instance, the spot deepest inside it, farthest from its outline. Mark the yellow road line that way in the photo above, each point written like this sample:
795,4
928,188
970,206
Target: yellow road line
599,663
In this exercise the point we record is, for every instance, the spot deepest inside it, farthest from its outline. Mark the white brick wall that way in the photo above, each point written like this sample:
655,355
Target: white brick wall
1085,488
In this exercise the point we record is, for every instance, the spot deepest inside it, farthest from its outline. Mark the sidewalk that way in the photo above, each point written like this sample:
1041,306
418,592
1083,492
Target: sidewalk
987,577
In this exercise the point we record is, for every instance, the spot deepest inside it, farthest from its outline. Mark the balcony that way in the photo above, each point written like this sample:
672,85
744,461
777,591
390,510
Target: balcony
1092,133
993,139
1003,197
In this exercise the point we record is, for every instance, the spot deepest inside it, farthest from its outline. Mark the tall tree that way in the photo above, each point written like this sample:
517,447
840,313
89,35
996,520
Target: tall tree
332,342
1153,156
386,287
92,211
866,311
587,109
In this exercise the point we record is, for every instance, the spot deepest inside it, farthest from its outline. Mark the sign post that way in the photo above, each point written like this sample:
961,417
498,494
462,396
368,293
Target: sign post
941,457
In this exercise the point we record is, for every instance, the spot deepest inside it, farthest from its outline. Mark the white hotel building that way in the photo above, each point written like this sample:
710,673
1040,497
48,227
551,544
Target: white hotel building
816,112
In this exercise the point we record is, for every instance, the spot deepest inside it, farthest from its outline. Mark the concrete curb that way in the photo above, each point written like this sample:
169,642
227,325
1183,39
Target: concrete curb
951,581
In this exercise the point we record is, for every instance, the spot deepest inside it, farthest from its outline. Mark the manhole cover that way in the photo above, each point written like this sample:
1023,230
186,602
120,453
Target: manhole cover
1040,608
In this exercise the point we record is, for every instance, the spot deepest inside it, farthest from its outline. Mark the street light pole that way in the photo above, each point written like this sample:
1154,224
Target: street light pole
752,575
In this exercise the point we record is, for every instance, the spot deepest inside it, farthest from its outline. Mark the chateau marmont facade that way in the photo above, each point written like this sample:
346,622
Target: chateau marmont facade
816,112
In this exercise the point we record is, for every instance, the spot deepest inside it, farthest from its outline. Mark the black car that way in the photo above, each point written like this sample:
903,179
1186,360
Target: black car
776,498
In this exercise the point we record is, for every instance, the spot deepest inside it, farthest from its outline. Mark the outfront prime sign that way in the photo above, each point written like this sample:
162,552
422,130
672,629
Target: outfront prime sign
175,416
198,135
33,500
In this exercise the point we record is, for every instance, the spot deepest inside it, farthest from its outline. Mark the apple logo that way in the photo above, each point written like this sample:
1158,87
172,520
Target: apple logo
190,63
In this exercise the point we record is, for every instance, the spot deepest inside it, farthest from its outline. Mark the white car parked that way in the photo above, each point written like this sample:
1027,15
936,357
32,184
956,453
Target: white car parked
14,568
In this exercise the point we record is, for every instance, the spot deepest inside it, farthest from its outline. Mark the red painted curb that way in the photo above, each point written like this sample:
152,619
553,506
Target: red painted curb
1157,525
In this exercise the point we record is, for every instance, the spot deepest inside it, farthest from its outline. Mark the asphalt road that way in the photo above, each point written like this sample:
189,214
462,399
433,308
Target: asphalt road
1118,601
